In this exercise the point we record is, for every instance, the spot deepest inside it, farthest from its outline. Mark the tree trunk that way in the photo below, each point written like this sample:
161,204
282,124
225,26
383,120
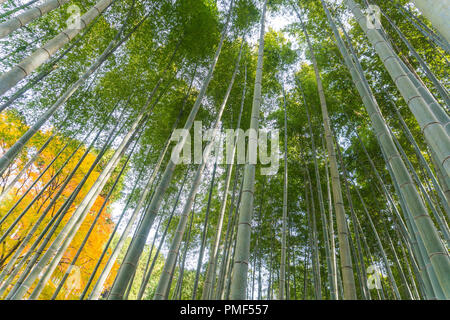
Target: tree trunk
135,250
437,84
343,235
12,152
9,79
57,218
62,241
28,16
285,209
210,276
438,12
432,241
228,238
433,129
241,256
330,254
91,228
111,237
162,288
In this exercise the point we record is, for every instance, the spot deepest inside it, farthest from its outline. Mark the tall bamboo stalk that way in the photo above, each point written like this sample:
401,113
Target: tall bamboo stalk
433,244
62,241
49,67
429,34
179,287
28,16
437,84
8,187
285,207
343,236
62,211
334,280
223,206
111,237
314,242
148,274
96,291
203,239
91,228
12,262
9,79
438,12
135,250
229,236
10,12
210,276
433,129
12,152
330,253
162,288
241,256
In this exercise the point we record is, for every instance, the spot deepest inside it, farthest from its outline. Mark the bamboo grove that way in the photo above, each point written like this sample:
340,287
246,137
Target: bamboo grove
94,205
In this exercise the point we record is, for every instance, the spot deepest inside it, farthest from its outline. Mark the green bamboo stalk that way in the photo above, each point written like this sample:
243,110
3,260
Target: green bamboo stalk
226,255
438,13
436,291
424,223
285,208
49,67
178,290
12,262
407,236
210,275
399,266
163,237
219,287
343,233
62,241
91,228
361,268
72,226
162,287
429,34
230,263
12,152
30,188
17,8
8,188
135,249
444,195
331,232
57,218
241,256
433,129
437,84
314,242
9,79
330,253
380,245
28,16
203,241
111,237
442,225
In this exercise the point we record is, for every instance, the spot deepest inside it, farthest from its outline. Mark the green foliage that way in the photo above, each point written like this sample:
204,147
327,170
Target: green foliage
175,45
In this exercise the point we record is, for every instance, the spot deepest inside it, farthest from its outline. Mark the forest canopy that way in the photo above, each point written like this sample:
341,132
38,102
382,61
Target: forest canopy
224,150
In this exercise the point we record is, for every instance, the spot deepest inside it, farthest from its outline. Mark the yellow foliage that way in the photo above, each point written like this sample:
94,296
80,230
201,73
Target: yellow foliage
11,128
